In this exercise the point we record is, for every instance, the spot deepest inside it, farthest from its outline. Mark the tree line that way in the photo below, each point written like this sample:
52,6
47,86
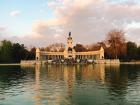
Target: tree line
115,47
14,52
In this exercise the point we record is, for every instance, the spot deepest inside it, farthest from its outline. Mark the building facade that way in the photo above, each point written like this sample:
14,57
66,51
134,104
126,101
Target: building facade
70,53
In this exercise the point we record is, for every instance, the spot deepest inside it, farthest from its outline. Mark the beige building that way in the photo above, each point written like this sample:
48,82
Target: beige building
70,53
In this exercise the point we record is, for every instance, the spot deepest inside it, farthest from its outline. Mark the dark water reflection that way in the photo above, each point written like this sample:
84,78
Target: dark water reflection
70,85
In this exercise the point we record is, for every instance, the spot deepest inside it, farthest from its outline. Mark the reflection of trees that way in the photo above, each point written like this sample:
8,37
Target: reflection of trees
10,77
116,80
131,71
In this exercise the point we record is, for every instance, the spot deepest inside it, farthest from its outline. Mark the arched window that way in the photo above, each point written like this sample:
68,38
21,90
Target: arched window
69,49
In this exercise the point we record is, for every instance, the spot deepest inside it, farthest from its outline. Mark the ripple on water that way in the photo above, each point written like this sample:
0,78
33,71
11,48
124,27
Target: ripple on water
71,85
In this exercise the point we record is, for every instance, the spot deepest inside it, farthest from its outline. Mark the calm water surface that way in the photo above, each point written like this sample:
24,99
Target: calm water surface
70,85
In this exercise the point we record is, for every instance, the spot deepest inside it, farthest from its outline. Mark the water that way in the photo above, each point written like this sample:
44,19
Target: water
70,85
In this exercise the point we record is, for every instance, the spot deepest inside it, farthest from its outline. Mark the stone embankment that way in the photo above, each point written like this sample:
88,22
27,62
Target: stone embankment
34,62
132,62
10,64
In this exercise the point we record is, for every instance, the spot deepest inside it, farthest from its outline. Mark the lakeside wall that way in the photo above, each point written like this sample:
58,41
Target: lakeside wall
132,62
106,61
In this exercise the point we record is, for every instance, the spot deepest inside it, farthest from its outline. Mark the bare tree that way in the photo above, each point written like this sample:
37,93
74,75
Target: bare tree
56,47
95,46
116,42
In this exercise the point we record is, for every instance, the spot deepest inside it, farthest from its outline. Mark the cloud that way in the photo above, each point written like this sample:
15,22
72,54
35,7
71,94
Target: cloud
66,20
2,28
88,20
3,31
15,13
133,32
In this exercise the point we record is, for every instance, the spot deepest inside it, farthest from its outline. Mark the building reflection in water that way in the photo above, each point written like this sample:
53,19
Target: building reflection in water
58,81
91,72
69,77
50,84
37,97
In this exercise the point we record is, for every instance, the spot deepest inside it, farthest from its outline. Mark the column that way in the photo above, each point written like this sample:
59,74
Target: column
90,56
59,56
46,57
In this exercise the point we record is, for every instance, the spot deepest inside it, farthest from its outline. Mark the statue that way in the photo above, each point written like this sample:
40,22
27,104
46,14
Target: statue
69,34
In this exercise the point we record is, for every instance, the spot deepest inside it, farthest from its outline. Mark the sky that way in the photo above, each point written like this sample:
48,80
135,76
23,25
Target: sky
42,22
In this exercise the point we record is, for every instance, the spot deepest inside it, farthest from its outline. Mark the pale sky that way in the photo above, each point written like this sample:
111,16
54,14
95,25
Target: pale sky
42,22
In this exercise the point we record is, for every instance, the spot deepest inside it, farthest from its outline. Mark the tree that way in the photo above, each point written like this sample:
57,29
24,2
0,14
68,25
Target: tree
19,52
31,54
79,48
61,49
47,49
56,47
6,52
96,46
116,42
15,52
131,50
138,52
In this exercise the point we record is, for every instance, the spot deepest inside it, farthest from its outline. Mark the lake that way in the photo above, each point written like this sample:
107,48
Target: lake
70,85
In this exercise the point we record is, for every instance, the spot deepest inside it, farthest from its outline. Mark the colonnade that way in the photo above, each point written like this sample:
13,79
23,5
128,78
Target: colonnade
50,57
54,57
88,56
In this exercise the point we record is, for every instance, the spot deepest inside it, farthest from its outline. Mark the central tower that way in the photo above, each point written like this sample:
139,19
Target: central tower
69,41
69,51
